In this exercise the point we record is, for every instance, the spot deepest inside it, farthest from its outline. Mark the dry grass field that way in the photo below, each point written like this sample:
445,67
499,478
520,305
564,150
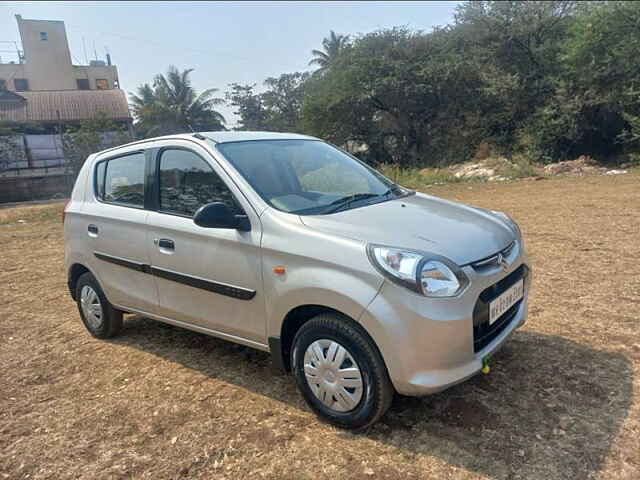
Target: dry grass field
562,400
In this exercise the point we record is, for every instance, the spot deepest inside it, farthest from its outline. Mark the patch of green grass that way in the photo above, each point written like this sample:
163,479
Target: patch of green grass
412,177
416,177
519,167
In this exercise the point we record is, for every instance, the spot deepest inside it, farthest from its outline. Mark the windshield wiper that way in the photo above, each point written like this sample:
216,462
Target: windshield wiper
346,201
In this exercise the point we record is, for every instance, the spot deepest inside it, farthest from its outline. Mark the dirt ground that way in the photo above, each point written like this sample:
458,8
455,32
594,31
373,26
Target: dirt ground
562,400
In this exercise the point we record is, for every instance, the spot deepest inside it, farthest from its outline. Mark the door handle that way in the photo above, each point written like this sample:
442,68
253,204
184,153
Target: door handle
92,230
165,245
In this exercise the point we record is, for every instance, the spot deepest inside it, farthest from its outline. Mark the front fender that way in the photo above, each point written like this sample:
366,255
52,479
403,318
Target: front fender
341,291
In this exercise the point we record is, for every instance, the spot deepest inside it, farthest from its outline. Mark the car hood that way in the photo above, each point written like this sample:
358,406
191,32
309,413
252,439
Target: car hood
421,222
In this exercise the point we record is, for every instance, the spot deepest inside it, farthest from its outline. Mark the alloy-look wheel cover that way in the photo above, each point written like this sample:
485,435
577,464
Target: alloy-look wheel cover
333,375
91,306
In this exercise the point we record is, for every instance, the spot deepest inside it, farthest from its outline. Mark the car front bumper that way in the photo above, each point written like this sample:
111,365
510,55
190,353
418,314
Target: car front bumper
428,343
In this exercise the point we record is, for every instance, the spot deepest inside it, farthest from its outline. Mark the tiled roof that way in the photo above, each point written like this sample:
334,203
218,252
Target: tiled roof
67,105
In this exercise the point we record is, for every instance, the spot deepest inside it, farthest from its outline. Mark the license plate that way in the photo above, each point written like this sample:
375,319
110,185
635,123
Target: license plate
505,301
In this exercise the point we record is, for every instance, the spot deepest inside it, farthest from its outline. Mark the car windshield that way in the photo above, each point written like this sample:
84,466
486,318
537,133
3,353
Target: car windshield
307,177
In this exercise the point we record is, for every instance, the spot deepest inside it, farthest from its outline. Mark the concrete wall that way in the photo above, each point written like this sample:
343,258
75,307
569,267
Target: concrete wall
22,189
47,62
42,151
108,72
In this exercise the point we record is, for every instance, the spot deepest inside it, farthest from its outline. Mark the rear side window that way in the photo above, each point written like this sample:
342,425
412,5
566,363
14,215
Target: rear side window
187,182
121,180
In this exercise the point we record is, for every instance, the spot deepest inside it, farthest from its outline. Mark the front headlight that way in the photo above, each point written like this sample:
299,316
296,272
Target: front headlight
429,274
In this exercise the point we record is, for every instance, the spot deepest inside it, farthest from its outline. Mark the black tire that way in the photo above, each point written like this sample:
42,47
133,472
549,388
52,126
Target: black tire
377,392
111,319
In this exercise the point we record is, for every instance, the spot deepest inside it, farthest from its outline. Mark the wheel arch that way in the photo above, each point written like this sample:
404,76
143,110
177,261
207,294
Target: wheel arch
73,274
294,319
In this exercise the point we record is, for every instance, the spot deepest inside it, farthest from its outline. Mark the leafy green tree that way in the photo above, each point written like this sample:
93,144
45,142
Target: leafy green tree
283,100
91,136
172,105
515,46
602,64
333,46
396,90
248,105
11,149
277,109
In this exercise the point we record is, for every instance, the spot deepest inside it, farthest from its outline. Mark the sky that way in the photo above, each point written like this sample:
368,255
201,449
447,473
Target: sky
224,42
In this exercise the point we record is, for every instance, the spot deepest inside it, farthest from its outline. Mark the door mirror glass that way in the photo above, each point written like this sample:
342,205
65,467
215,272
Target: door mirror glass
219,215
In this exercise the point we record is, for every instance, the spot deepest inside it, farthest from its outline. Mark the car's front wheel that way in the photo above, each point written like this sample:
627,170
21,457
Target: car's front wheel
340,372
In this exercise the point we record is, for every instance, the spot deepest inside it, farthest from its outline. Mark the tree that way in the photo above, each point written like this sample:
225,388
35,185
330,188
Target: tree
88,137
277,109
333,46
172,105
11,149
516,47
249,107
602,64
283,101
397,91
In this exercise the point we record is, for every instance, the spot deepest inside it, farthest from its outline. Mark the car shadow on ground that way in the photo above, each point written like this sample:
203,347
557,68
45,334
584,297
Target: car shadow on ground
550,407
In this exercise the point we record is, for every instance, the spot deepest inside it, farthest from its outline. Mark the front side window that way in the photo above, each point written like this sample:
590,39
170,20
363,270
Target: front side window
187,182
307,177
123,180
83,83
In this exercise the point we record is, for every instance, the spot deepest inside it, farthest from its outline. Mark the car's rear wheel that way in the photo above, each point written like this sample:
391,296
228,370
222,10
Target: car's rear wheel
340,372
97,314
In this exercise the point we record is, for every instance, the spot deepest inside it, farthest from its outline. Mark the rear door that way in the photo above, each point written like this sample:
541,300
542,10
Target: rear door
207,277
116,230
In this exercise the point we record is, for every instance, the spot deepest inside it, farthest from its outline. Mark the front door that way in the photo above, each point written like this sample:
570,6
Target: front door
208,277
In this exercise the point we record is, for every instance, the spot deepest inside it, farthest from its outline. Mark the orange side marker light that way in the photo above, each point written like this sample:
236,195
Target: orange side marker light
279,270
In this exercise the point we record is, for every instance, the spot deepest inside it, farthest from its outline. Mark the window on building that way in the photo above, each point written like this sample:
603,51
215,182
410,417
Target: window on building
102,84
3,84
44,36
83,83
21,84
187,182
123,180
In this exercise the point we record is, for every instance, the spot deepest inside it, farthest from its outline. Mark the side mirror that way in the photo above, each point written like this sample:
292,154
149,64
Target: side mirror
218,215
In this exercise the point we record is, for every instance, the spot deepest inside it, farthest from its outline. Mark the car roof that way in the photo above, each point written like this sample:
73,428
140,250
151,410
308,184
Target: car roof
217,137
223,137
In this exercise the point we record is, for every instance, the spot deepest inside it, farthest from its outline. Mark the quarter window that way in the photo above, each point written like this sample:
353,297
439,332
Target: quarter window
123,180
83,83
187,182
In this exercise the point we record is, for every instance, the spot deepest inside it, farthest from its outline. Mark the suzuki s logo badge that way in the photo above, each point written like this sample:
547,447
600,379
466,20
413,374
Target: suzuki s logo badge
502,262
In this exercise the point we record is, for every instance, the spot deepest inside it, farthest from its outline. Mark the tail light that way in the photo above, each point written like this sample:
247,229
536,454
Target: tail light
64,210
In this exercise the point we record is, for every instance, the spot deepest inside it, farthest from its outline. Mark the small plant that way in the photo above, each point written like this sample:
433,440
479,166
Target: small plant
416,177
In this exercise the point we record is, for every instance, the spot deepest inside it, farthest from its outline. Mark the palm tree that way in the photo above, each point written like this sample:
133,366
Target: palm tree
143,107
333,46
173,106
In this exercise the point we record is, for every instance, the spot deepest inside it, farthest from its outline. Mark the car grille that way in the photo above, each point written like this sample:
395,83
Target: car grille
483,333
493,260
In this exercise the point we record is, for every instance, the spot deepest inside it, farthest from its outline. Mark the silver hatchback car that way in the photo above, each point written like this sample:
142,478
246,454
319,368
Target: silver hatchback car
284,243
